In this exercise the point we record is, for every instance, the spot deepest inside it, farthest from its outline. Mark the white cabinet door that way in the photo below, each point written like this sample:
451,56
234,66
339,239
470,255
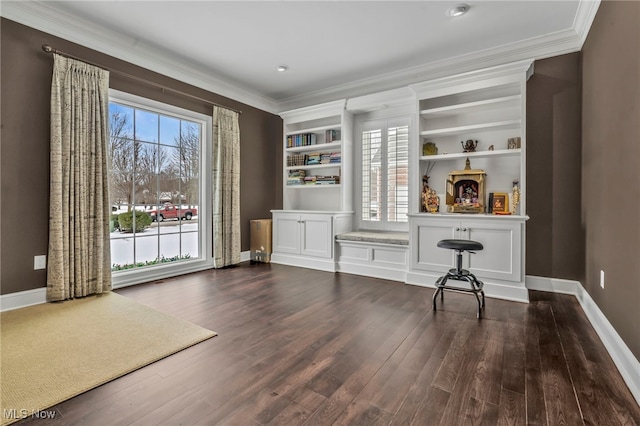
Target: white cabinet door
316,235
286,233
426,255
500,259
501,256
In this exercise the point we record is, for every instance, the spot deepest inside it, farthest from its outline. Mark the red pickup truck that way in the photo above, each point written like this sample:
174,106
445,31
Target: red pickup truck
170,211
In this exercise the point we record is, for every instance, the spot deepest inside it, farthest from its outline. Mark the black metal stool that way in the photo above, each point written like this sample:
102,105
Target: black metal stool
460,274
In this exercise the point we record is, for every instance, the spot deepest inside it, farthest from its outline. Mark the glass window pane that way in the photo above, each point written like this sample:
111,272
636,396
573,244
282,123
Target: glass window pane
146,249
170,247
169,130
190,244
146,126
189,176
121,251
121,121
121,190
169,175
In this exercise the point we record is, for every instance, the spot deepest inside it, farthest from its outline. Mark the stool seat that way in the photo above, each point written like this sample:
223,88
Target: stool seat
464,245
460,274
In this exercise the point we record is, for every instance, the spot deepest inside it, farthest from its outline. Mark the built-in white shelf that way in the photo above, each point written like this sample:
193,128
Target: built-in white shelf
331,146
318,129
470,107
314,166
314,186
496,125
477,154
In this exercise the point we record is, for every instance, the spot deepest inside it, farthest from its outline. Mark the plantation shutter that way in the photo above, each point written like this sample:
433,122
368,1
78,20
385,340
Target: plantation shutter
397,173
384,173
371,174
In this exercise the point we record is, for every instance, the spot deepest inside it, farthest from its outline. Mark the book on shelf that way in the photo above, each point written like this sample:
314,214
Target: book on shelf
332,135
296,160
302,139
327,180
313,159
297,173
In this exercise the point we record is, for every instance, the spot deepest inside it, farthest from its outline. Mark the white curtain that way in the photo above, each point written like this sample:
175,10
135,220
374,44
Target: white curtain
79,262
226,187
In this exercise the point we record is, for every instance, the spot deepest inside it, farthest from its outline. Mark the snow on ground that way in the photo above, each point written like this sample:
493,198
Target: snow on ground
158,240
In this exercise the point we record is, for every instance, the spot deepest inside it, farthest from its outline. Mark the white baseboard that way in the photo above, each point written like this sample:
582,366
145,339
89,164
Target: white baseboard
552,285
391,274
625,361
327,265
22,299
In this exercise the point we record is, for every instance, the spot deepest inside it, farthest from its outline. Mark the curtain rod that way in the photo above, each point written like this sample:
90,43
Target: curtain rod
49,49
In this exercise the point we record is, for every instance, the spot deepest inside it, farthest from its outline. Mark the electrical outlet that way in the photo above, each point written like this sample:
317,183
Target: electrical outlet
601,278
39,262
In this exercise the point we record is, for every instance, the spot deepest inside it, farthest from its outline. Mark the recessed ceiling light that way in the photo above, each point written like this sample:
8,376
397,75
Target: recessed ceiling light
459,10
282,68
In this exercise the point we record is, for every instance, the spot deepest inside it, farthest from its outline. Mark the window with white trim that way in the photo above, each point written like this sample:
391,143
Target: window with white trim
383,174
157,185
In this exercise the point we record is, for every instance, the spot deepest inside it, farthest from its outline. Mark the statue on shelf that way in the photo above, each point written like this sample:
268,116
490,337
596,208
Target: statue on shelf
469,146
430,200
516,195
425,193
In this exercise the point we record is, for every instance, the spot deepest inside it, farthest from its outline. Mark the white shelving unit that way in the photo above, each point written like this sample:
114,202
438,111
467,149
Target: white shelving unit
317,120
488,106
305,229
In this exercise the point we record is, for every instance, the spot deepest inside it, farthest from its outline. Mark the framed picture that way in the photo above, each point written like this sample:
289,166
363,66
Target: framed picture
500,202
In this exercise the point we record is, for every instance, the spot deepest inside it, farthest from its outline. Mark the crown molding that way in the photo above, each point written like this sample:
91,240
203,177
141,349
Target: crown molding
43,17
546,46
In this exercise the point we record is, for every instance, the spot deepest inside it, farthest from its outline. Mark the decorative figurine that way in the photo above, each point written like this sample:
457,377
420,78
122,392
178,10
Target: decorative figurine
516,195
426,191
469,146
513,143
429,148
490,147
433,201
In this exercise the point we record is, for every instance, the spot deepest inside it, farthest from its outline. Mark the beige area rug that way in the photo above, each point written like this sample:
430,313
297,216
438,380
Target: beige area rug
49,354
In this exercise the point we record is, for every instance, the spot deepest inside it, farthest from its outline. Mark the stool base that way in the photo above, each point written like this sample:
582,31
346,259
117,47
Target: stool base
476,287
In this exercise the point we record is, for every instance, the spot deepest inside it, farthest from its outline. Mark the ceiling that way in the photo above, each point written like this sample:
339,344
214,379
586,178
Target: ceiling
333,49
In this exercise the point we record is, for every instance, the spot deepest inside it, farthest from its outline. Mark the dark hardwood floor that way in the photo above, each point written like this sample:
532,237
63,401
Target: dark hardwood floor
298,346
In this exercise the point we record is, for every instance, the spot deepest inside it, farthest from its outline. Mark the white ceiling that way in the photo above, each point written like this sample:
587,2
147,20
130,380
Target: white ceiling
334,49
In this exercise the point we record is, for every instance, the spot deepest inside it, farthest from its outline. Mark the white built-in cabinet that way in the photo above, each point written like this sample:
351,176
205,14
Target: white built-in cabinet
488,106
316,210
306,238
499,264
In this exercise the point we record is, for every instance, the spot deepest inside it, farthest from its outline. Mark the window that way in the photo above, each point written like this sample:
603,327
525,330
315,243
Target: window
156,184
384,174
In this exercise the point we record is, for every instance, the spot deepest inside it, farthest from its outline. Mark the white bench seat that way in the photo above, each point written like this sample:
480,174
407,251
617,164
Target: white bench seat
399,238
374,254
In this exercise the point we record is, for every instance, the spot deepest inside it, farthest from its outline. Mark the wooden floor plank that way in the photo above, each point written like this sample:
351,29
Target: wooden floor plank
305,347
560,402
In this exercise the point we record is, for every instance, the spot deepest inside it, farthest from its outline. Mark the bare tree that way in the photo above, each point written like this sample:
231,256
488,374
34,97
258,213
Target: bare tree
187,160
122,150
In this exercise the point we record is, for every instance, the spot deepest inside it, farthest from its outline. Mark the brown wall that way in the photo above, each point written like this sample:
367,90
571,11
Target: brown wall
611,165
555,239
24,155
